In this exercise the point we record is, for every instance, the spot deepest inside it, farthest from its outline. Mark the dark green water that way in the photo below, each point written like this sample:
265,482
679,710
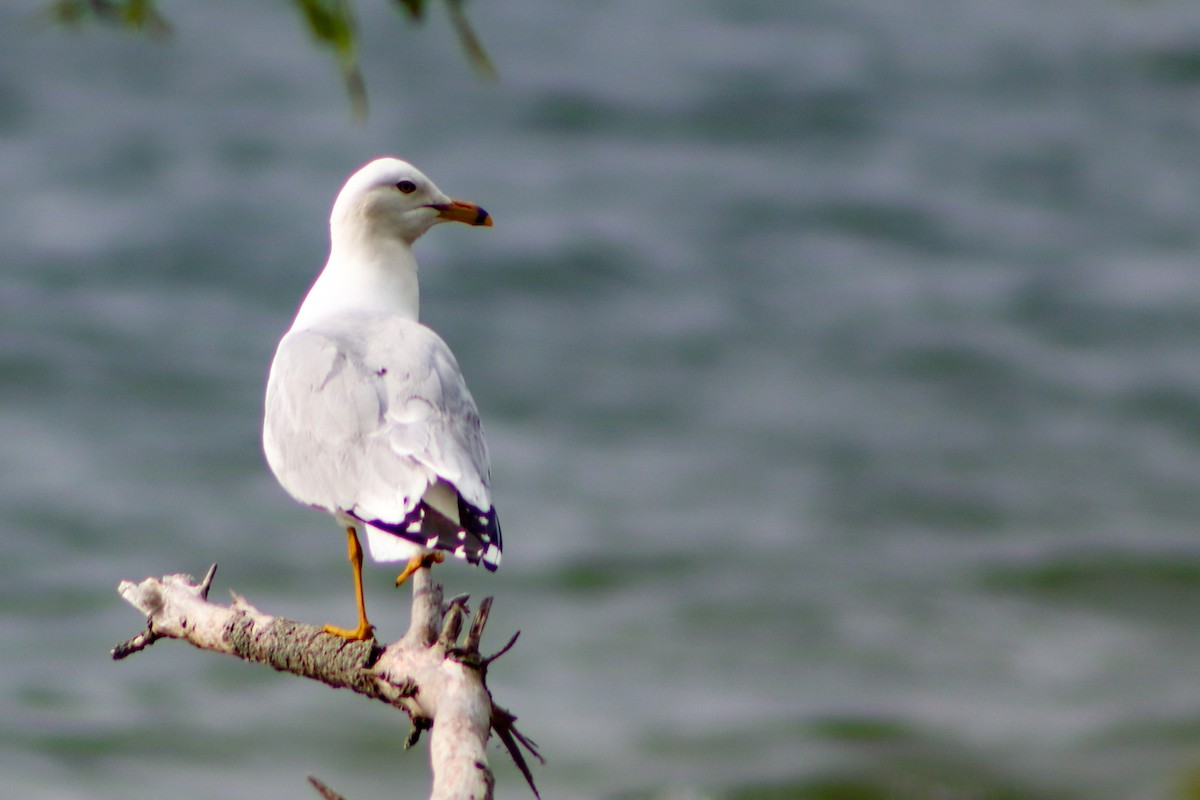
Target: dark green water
838,362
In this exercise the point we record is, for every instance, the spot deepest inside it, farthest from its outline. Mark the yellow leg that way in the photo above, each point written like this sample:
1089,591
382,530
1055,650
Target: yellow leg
364,629
418,561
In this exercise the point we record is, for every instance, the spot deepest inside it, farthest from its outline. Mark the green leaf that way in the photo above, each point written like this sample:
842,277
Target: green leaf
415,8
469,41
67,12
331,23
142,15
137,15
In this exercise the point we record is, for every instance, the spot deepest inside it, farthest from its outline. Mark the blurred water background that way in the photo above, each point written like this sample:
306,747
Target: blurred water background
838,359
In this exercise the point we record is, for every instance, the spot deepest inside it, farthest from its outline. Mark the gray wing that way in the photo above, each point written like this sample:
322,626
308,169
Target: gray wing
364,417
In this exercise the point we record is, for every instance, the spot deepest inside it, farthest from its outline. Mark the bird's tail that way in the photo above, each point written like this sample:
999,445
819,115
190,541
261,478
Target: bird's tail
476,539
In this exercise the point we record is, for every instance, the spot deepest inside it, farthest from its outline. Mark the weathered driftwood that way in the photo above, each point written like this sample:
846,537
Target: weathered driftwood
440,682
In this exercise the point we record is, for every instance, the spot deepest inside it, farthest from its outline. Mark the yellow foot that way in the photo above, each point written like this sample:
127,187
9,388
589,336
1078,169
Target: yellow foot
362,632
416,562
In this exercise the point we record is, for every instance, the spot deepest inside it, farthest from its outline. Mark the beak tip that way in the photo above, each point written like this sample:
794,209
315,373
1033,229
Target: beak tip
459,211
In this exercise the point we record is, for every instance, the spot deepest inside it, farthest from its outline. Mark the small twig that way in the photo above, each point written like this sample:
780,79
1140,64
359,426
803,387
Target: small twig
489,659
528,743
468,654
139,642
504,724
206,584
419,726
323,790
471,645
452,626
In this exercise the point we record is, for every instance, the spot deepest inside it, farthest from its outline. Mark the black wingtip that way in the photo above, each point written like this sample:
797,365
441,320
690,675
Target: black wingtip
476,540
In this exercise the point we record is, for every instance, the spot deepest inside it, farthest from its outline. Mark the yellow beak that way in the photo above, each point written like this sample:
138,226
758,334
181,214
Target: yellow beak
461,211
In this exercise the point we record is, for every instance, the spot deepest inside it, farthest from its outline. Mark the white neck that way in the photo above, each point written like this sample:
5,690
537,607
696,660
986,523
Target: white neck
363,279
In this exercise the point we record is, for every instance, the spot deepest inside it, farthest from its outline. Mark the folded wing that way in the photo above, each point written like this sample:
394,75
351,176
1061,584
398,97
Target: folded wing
373,420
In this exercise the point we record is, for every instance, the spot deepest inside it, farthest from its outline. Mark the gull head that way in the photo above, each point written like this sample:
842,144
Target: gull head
391,199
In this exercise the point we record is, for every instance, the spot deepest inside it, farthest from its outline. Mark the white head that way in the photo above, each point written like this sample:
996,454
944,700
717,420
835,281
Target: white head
390,199
380,212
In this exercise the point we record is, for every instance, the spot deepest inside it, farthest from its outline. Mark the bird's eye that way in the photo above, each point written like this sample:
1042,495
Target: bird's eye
408,187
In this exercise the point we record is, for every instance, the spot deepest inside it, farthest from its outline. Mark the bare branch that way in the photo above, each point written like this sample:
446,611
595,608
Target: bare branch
440,685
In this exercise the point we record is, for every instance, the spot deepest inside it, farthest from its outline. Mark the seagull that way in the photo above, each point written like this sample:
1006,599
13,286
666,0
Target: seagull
367,415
